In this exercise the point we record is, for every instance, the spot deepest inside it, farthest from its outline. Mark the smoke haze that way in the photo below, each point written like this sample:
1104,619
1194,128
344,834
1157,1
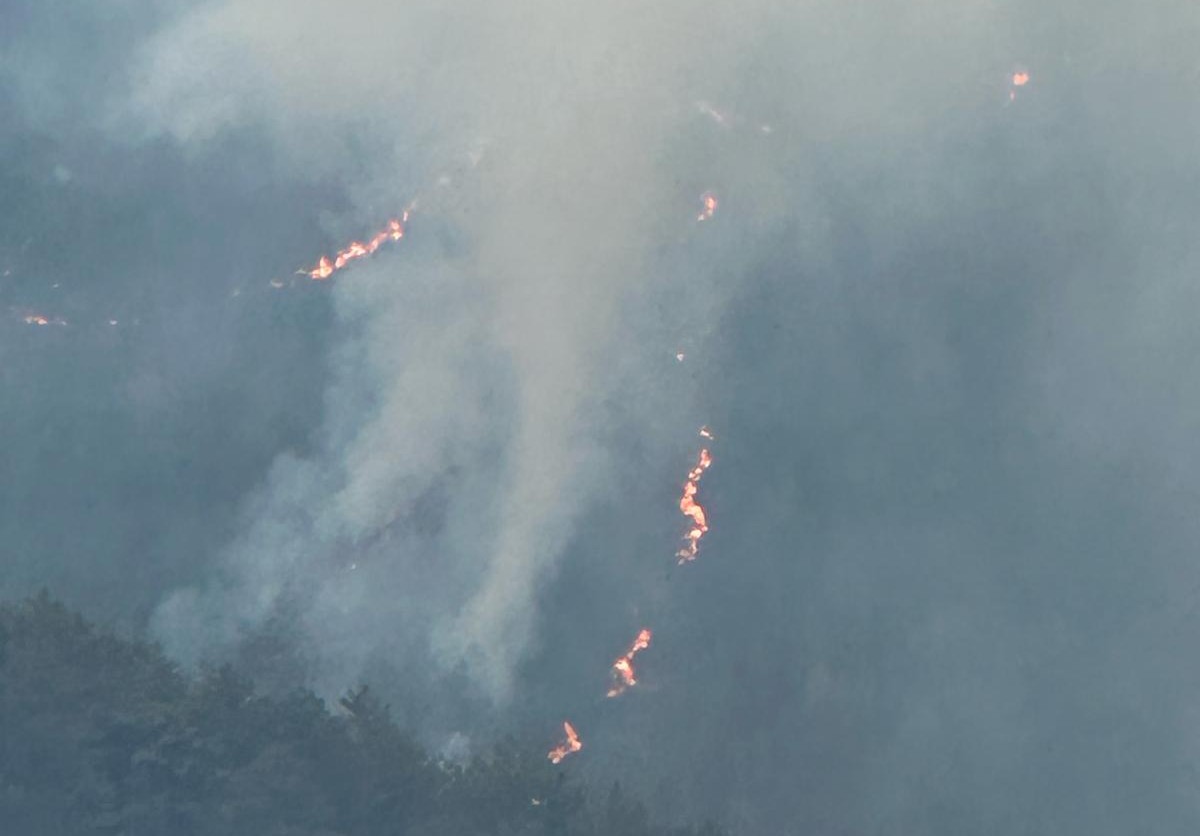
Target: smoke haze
944,337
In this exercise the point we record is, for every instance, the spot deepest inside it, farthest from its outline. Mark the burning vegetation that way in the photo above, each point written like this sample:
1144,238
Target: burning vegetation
570,745
623,674
326,267
693,510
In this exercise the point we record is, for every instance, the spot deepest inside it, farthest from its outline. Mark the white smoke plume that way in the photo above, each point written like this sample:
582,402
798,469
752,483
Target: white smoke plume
944,337
469,390
469,386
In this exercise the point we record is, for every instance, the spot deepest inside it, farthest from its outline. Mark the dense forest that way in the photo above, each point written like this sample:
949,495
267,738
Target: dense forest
103,735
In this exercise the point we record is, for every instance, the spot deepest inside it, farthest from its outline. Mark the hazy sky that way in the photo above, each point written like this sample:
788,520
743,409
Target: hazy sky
944,336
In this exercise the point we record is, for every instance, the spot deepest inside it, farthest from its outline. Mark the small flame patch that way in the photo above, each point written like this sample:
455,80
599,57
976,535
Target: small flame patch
622,670
569,746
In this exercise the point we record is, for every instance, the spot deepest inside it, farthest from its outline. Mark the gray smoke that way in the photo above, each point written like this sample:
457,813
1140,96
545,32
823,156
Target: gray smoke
569,204
582,107
944,338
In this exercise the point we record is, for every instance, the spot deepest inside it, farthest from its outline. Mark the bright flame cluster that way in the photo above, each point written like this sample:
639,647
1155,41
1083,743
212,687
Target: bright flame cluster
569,746
622,669
690,508
708,204
326,267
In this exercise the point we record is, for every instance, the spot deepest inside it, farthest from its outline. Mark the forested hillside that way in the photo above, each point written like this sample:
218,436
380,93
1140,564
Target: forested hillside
103,735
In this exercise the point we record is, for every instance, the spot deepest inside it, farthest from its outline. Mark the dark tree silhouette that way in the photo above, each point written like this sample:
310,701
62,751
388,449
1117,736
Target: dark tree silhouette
99,735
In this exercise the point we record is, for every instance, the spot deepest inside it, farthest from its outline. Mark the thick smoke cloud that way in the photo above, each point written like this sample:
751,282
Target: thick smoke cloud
578,105
944,339
567,208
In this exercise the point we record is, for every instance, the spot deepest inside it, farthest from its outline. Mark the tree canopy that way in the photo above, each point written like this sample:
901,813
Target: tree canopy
101,735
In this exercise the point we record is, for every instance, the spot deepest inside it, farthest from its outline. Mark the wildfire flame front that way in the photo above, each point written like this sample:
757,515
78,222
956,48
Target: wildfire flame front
325,267
692,509
622,669
567,747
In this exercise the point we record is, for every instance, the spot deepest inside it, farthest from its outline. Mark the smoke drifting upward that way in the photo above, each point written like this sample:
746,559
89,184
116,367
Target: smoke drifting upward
481,380
484,379
927,268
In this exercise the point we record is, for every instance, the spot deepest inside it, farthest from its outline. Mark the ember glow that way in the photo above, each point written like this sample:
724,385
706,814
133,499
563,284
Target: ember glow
567,747
709,202
1019,79
38,319
622,669
326,267
692,509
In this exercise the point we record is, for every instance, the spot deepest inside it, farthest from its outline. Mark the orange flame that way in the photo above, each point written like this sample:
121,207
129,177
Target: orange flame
1019,79
709,202
622,669
38,319
325,267
692,509
567,747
